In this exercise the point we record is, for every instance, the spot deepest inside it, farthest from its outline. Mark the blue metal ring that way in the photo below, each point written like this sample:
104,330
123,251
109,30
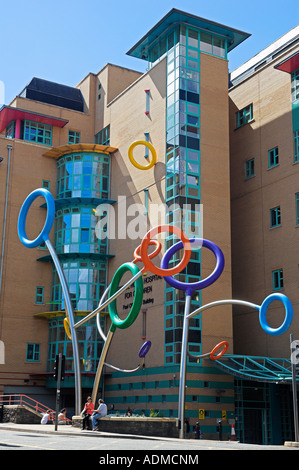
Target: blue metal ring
145,349
44,235
288,317
202,284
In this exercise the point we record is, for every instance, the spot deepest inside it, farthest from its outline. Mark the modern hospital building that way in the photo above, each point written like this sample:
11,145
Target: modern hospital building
227,149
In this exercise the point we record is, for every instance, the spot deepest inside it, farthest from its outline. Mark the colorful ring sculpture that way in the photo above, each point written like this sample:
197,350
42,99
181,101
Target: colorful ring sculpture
202,284
288,314
141,255
146,258
137,302
44,234
152,150
215,349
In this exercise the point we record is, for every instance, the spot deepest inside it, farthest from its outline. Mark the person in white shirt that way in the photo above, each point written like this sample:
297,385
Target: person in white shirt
46,419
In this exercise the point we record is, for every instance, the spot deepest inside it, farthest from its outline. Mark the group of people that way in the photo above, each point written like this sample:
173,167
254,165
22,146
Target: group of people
48,417
88,413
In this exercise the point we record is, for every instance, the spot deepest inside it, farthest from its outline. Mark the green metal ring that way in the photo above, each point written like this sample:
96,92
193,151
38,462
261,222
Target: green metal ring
137,302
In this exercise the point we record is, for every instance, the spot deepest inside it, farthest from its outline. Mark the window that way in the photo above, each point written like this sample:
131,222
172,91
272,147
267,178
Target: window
74,137
46,184
36,132
212,44
147,101
39,295
295,85
296,146
103,137
10,130
275,217
83,175
277,278
273,157
244,116
249,168
33,352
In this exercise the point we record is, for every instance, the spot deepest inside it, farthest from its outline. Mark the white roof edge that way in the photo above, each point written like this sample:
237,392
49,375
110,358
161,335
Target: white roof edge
265,52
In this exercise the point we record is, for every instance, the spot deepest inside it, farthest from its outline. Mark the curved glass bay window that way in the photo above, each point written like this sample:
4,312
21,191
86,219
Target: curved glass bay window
86,279
83,175
75,231
82,185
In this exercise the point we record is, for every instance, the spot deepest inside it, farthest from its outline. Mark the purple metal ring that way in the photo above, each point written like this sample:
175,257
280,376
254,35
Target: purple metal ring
145,349
202,284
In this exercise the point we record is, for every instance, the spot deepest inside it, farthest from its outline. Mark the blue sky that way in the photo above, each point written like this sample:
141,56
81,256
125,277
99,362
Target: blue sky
64,40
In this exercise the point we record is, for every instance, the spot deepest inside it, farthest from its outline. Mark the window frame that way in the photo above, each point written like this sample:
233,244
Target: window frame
244,116
35,352
73,137
250,168
39,295
273,157
277,279
275,217
31,132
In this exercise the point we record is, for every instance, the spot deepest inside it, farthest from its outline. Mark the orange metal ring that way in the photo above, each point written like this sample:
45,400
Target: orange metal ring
152,255
146,258
215,349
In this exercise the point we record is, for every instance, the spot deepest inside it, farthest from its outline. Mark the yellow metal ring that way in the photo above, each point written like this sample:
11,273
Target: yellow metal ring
67,327
150,147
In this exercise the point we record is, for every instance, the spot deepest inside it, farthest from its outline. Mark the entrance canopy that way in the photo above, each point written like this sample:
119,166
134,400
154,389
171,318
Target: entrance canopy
261,369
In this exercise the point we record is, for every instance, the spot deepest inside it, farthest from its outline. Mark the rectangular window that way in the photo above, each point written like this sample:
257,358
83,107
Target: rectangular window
249,168
273,157
103,137
39,295
36,132
296,146
10,130
277,278
244,116
33,352
275,217
46,184
295,85
147,101
73,137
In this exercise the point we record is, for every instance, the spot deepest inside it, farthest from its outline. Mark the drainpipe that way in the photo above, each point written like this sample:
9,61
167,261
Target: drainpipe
5,217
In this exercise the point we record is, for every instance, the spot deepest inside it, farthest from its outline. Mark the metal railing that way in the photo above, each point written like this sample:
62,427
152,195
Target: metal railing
24,400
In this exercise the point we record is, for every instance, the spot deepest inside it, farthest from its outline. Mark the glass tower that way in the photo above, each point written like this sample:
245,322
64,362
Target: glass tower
181,47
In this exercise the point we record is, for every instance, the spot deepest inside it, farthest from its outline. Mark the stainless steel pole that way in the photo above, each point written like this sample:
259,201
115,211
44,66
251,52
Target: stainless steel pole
70,314
294,387
100,367
58,390
181,411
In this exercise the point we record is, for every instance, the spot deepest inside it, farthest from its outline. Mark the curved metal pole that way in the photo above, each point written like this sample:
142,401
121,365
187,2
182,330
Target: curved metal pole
182,385
100,366
98,315
69,311
125,370
222,302
184,352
